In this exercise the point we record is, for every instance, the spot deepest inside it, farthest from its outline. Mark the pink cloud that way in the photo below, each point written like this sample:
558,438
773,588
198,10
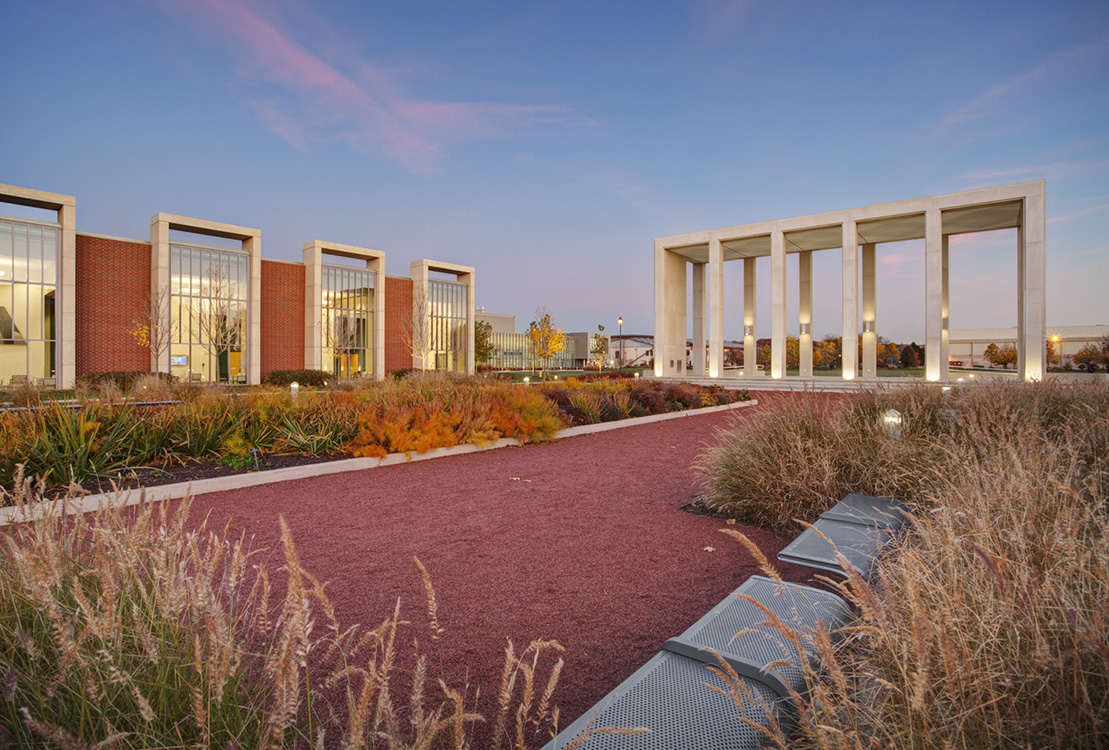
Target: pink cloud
368,109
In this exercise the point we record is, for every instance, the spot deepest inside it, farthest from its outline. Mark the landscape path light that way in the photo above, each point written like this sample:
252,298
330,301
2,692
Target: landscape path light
527,380
891,420
294,389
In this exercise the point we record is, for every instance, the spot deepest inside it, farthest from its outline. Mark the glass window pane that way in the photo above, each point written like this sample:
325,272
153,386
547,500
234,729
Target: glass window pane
49,256
5,251
34,255
19,252
7,308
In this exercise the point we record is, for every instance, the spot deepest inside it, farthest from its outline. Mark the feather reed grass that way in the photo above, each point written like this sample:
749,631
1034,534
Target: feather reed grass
133,627
987,624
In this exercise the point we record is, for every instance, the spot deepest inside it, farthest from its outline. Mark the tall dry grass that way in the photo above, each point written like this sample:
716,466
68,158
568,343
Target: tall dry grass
988,624
127,628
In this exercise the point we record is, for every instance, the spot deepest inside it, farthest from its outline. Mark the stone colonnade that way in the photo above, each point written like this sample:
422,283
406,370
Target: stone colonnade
856,232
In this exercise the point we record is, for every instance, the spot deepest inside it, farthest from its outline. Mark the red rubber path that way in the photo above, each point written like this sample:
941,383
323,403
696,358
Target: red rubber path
580,540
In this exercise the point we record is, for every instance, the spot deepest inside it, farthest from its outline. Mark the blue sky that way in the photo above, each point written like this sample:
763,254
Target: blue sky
548,144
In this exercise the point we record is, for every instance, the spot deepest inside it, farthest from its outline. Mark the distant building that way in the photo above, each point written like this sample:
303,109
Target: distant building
968,346
512,351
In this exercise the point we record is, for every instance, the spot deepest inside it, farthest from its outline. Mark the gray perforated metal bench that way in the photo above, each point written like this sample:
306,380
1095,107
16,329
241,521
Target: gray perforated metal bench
858,526
668,694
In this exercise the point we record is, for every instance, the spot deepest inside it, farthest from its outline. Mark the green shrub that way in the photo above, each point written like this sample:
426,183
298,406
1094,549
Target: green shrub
315,378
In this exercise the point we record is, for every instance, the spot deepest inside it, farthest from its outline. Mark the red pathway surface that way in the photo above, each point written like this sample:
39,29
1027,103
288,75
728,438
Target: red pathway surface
580,540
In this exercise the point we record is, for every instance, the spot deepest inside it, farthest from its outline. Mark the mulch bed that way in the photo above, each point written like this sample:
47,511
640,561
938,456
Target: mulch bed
581,540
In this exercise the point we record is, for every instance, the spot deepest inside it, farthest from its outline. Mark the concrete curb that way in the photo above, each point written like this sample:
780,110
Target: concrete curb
254,479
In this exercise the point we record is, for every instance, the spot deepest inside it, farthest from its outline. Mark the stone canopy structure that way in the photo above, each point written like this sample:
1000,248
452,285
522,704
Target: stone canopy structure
856,232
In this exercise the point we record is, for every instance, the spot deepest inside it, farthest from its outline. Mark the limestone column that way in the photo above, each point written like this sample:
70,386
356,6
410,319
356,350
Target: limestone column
159,272
945,312
670,313
870,309
850,341
1032,280
750,356
65,360
777,304
715,310
699,319
805,313
252,245
933,294
312,257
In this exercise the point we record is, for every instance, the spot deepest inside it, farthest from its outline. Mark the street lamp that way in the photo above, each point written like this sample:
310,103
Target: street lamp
620,322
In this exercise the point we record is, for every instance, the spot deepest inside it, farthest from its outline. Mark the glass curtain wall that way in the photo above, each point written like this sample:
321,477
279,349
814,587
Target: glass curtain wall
209,314
348,321
447,307
28,286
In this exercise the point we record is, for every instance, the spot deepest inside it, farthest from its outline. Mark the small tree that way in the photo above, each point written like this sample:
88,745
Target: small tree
151,327
1088,356
599,349
484,348
218,317
1053,357
342,336
909,357
545,337
417,332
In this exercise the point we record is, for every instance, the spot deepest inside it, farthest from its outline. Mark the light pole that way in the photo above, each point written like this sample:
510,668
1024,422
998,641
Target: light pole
620,322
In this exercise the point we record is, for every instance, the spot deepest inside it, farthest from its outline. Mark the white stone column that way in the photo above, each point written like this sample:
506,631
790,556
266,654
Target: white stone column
933,294
945,311
670,313
777,304
805,313
715,310
65,360
1031,292
750,355
870,309
699,319
159,274
850,340
312,257
253,247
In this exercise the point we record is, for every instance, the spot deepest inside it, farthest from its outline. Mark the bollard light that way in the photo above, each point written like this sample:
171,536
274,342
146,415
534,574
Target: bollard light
891,420
637,376
294,389
527,380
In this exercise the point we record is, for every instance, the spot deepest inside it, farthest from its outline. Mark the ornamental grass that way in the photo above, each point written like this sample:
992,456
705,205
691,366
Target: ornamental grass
987,623
128,628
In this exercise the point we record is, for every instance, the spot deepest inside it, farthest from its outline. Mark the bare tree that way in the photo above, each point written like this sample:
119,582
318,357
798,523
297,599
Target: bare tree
417,333
341,335
218,315
151,327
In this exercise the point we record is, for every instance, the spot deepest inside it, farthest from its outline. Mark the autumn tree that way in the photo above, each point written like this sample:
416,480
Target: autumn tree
1001,356
151,327
888,354
545,337
1089,356
1053,357
484,348
599,349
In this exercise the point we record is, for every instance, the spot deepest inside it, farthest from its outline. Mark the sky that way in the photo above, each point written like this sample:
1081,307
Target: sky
548,144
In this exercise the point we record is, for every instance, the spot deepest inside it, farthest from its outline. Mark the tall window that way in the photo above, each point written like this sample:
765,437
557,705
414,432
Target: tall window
28,283
448,306
347,323
209,304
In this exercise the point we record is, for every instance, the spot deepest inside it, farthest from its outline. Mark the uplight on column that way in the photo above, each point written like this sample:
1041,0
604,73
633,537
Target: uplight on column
868,326
806,329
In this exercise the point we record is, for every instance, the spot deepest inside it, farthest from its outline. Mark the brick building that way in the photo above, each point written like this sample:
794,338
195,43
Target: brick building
73,303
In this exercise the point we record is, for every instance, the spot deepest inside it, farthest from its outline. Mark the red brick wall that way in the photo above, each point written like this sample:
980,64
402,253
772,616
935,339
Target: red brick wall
282,316
398,316
113,291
